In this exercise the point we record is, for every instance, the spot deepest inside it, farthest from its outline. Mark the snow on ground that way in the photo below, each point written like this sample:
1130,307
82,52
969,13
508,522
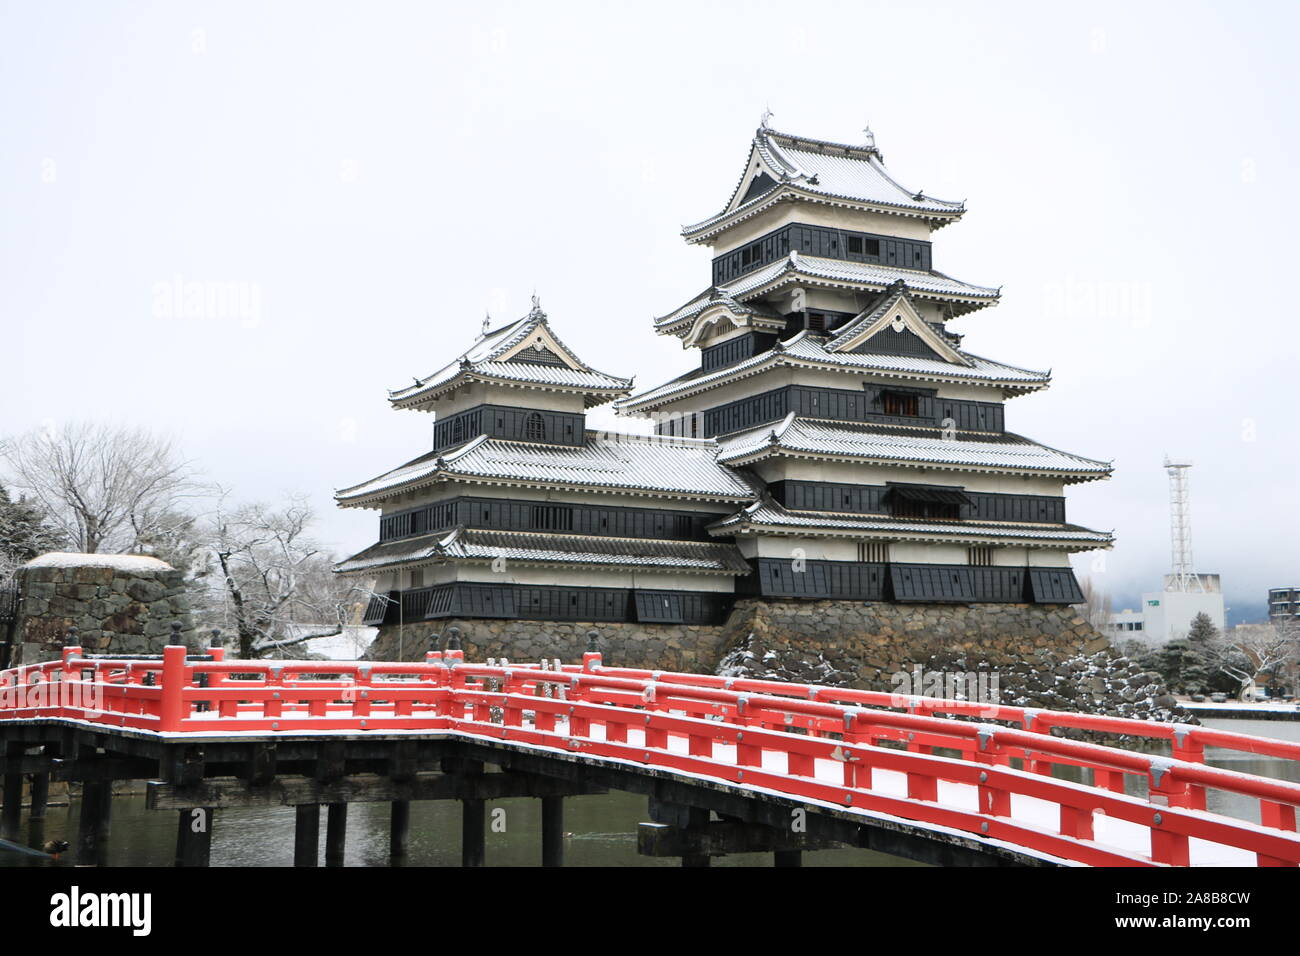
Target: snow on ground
348,646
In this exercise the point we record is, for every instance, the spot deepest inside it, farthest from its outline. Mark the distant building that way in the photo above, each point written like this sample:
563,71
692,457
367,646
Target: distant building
1284,605
1168,614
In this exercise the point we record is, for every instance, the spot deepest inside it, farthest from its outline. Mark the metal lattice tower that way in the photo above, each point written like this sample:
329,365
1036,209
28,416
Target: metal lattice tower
1183,576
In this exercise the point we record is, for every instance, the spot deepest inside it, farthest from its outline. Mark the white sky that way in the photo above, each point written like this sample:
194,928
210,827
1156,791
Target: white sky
381,173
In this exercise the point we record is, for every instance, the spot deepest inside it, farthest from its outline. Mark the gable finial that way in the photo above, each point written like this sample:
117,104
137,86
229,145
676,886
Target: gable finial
871,137
767,115
487,321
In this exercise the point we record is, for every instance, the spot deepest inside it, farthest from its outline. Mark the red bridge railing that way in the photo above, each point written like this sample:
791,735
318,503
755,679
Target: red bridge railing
859,750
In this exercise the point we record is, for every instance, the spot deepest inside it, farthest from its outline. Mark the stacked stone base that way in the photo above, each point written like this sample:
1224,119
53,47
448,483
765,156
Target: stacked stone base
867,641
668,647
123,604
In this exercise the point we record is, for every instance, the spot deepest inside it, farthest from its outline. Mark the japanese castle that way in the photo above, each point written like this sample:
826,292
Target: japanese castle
835,441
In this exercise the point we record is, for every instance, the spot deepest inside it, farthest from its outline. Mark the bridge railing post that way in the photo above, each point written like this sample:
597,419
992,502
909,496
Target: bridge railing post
171,709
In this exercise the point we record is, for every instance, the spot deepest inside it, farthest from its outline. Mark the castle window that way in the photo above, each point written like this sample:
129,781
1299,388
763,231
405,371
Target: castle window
900,403
535,427
875,552
458,430
855,245
417,579
979,557
551,518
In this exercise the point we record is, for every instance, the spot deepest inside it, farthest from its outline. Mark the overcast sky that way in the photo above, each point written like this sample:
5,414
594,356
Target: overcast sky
376,176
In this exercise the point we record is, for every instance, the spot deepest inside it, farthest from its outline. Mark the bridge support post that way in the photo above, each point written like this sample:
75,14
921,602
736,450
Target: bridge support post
336,833
399,830
11,816
93,826
306,834
787,858
194,836
473,820
36,820
552,831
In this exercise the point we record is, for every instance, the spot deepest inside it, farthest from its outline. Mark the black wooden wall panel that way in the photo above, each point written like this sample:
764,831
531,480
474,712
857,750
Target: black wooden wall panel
503,515
510,422
932,582
735,350
825,242
847,405
1054,586
869,499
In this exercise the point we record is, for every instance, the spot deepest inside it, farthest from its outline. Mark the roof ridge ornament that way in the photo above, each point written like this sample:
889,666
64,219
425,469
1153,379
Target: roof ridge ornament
767,115
536,310
870,137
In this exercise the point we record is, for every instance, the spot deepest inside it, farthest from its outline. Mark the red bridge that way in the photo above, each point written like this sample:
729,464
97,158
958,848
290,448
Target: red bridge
968,782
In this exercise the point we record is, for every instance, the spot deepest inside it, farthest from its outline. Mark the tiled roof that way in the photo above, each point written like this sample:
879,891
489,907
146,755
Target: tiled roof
767,515
829,171
808,350
799,266
813,438
640,463
481,361
695,557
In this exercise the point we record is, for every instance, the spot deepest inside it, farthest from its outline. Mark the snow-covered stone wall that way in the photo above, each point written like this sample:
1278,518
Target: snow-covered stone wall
119,603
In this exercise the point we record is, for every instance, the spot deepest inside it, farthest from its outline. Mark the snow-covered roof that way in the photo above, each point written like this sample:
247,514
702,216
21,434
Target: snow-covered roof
680,467
813,438
572,551
798,267
820,171
129,563
496,358
770,517
808,350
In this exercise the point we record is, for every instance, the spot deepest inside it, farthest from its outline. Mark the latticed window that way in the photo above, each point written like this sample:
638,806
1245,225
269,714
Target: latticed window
535,427
876,552
980,557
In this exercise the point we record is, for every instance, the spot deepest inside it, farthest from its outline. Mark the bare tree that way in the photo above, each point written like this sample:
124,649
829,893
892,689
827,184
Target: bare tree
105,487
1096,606
273,584
1248,651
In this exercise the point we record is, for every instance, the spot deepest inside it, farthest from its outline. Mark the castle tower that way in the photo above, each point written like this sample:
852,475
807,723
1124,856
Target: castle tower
827,371
519,512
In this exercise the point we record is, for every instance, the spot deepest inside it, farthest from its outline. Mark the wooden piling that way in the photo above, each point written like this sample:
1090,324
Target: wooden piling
306,834
194,836
336,833
40,798
12,813
552,831
399,830
94,823
473,822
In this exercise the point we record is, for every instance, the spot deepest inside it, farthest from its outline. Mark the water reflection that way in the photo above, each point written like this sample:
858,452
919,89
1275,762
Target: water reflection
602,832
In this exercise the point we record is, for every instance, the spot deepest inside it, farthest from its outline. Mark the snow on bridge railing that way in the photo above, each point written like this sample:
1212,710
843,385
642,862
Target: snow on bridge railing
861,750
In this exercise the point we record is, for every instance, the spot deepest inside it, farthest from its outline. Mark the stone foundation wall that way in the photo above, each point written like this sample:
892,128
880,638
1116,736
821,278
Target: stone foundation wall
118,603
868,641
669,647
